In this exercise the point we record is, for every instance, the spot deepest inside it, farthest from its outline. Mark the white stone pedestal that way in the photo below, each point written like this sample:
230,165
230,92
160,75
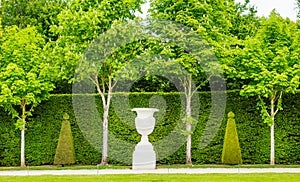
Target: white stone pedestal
144,156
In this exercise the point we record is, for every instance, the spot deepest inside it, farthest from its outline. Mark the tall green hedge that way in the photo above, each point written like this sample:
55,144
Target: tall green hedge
43,130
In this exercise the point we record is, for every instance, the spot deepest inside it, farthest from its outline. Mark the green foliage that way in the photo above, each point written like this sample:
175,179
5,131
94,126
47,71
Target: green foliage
222,24
10,141
268,61
208,18
78,25
44,126
231,153
245,22
153,83
39,13
65,153
24,75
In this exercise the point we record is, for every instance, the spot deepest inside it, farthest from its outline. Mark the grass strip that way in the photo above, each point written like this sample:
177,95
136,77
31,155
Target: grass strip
257,177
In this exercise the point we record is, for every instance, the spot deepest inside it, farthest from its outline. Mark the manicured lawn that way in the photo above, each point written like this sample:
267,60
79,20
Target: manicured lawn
272,177
230,166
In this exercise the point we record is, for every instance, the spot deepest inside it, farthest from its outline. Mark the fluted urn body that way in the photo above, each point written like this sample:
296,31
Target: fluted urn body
144,156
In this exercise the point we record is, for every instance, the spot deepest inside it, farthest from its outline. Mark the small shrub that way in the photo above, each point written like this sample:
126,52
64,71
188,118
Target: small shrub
65,153
231,153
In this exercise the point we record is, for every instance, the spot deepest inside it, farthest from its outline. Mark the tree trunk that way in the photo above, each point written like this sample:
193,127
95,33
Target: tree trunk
106,104
188,144
272,156
188,123
272,152
104,160
23,145
23,135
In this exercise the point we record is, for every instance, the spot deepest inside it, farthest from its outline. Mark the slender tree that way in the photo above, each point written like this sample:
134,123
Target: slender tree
212,21
24,78
269,64
79,24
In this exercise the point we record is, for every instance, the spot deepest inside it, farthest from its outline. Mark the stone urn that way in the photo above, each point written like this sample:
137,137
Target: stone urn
144,156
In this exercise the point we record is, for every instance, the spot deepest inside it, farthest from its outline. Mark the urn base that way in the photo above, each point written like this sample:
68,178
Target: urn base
144,157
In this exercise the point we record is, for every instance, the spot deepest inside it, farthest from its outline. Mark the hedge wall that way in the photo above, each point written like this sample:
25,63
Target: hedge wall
44,126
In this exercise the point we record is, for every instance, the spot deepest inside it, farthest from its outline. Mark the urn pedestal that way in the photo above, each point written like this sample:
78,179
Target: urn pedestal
144,156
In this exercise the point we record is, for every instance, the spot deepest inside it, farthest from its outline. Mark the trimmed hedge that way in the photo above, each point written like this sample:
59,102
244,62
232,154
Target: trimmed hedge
43,130
231,153
65,153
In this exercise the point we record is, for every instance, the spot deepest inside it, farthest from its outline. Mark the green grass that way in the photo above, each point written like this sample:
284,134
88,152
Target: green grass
272,177
230,166
50,167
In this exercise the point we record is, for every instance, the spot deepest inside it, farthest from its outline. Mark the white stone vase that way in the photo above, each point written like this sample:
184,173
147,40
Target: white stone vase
144,156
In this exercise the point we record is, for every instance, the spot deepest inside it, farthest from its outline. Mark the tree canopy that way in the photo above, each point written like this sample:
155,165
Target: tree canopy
39,13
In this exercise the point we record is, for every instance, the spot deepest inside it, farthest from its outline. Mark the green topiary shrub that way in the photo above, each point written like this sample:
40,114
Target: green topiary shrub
231,153
65,153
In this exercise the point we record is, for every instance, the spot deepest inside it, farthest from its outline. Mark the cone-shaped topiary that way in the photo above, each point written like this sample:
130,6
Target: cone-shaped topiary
231,148
65,153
